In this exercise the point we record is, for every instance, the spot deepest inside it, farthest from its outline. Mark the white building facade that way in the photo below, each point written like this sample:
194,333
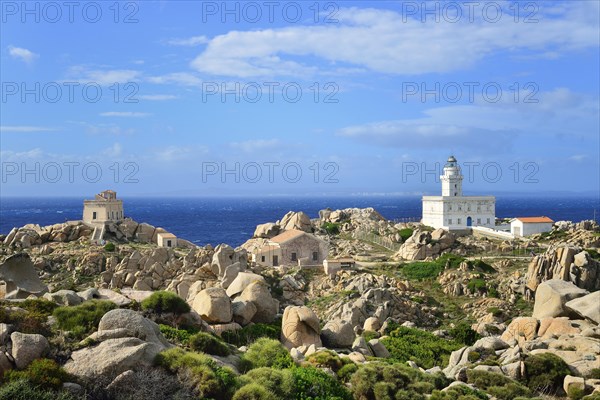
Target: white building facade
452,210
104,208
525,226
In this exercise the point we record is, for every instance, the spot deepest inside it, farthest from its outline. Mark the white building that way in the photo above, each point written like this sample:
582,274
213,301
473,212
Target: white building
166,239
525,226
452,210
104,208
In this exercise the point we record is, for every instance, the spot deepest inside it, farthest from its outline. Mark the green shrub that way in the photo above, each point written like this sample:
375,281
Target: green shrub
208,379
477,285
421,270
422,347
345,373
177,336
497,385
83,319
43,373
250,333
458,392
405,233
109,246
576,393
545,373
325,359
165,302
266,353
463,333
368,335
449,260
253,391
594,374
40,306
25,321
313,383
331,228
278,382
207,343
483,266
23,390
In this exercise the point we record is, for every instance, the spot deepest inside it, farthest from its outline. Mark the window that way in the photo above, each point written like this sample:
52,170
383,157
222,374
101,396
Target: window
479,221
488,221
455,185
449,207
458,221
449,221
168,243
263,258
294,257
315,256
455,193
469,207
94,215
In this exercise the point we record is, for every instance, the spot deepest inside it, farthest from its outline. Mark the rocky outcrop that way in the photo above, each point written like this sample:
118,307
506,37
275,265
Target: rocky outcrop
338,334
300,327
566,263
295,220
421,245
258,293
21,278
266,231
587,306
551,297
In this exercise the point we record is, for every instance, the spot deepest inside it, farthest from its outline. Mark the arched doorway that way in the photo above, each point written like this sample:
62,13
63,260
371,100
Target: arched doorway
469,221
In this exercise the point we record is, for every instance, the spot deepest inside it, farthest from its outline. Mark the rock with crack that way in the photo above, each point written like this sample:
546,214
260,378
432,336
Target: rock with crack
300,327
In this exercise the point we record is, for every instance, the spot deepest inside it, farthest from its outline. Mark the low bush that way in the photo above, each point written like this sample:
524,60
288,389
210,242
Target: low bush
499,386
421,270
25,321
326,359
83,319
42,373
207,343
463,333
368,335
177,336
458,392
593,374
206,377
477,285
314,383
23,390
483,266
575,393
250,333
545,373
278,382
109,246
165,302
253,391
346,372
147,384
405,233
266,353
331,228
422,347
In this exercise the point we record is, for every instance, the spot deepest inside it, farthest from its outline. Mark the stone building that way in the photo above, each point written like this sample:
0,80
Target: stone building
292,247
454,211
104,208
166,239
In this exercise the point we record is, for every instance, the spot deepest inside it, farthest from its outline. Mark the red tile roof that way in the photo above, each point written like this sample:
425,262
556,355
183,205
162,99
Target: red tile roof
534,220
287,235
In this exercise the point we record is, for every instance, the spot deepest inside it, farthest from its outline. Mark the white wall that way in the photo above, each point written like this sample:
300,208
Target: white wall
453,212
530,228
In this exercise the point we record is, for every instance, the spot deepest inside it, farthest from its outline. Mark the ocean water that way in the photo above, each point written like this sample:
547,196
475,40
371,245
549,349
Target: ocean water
232,220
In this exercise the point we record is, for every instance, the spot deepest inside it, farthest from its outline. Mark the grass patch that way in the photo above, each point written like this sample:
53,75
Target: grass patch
251,333
83,319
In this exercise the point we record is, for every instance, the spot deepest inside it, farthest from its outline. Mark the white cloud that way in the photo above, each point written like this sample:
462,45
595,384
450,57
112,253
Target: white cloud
179,78
190,42
7,129
8,155
22,54
103,77
385,41
578,157
125,114
157,97
113,151
251,146
178,153
107,129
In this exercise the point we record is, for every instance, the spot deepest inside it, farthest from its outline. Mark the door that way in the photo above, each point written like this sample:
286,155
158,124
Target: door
469,221
275,261
517,231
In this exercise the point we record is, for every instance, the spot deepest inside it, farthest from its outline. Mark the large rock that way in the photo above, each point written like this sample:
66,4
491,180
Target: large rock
20,277
27,347
64,297
551,297
378,348
266,231
587,306
520,328
112,357
300,327
243,312
267,307
128,323
213,305
418,247
338,334
241,281
296,220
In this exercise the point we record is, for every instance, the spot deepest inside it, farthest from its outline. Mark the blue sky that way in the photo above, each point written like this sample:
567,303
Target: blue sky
387,75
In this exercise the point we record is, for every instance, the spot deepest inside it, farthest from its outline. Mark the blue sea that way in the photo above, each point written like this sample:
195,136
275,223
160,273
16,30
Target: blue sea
232,220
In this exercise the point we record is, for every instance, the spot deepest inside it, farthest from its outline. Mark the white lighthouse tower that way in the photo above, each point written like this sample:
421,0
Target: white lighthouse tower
452,178
452,210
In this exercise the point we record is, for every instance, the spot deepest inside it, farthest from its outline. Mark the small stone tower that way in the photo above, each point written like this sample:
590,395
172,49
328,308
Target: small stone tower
452,179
